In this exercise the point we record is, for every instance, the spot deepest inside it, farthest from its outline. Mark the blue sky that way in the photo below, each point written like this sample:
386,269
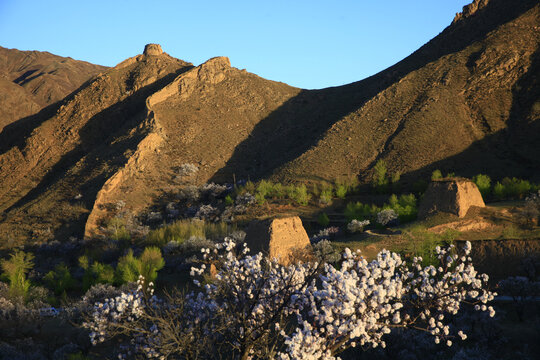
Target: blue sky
308,44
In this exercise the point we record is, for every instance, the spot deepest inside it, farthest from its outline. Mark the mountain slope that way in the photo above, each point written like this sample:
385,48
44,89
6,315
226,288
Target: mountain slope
467,101
31,80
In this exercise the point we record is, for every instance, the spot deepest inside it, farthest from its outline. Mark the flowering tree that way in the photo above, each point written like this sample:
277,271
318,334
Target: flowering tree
251,307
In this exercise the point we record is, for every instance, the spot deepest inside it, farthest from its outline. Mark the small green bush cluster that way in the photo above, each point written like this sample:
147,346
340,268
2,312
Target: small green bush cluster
128,269
266,190
181,230
382,181
323,219
116,227
483,182
405,206
359,211
423,243
15,270
60,280
512,188
436,175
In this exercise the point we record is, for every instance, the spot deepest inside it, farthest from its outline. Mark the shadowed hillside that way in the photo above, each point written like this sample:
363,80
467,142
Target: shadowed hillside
31,80
467,101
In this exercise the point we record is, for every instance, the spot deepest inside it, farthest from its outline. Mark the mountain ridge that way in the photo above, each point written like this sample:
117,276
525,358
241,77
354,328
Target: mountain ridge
467,101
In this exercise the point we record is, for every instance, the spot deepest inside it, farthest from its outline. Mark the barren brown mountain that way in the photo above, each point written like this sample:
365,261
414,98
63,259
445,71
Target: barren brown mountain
31,80
467,101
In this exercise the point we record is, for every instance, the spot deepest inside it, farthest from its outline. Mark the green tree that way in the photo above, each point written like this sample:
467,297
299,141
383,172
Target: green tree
484,184
16,269
323,219
151,262
436,175
380,181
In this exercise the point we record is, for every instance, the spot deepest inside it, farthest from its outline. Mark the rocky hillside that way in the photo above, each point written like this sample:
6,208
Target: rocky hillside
467,101
31,80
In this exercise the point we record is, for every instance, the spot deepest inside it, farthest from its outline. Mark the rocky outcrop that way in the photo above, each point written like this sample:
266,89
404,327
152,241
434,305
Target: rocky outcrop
453,196
152,50
471,9
211,72
281,239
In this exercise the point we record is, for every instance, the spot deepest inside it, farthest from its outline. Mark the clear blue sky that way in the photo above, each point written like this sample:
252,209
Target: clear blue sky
308,44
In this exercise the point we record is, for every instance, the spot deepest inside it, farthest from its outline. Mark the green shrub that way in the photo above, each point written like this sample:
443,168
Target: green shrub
117,229
102,273
95,273
264,190
60,280
341,190
300,195
128,268
483,182
380,180
359,211
436,175
151,262
498,191
394,180
395,177
16,269
229,200
248,187
404,206
326,196
323,219
278,191
260,198
184,229
450,174
423,243
516,188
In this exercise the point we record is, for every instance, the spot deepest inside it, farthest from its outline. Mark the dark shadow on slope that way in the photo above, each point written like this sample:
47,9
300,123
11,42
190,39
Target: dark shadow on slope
16,133
511,152
298,124
288,132
104,141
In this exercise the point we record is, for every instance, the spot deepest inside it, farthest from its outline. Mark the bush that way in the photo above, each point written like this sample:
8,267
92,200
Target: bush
95,273
380,180
151,262
117,229
299,194
359,211
498,191
516,188
483,182
181,230
341,190
326,197
436,175
405,207
128,268
323,219
308,311
423,243
60,280
16,269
